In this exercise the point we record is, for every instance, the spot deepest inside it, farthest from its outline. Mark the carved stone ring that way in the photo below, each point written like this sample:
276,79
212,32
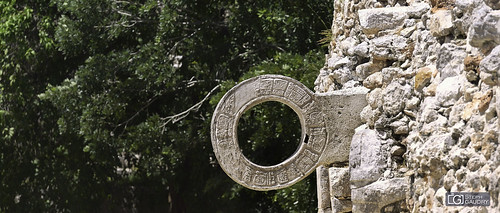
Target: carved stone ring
316,114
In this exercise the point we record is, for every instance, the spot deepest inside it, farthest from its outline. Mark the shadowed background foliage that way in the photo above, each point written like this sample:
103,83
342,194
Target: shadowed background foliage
105,105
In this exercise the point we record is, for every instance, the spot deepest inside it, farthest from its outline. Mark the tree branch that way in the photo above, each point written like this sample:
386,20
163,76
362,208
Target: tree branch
182,115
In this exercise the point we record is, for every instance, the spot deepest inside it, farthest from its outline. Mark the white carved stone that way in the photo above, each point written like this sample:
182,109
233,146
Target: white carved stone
340,186
327,120
373,197
323,188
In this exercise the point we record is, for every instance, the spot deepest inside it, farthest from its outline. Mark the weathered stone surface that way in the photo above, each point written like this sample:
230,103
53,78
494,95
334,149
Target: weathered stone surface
424,76
451,60
448,91
339,182
361,49
390,47
368,116
328,210
446,136
347,45
400,127
325,81
397,151
490,67
373,197
341,205
373,81
391,73
343,107
366,69
494,4
323,141
418,9
323,187
365,160
375,98
441,23
336,62
413,103
480,102
485,30
342,75
475,162
374,20
395,96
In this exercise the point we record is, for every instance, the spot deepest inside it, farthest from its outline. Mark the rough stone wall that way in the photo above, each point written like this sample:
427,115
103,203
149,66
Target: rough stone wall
431,125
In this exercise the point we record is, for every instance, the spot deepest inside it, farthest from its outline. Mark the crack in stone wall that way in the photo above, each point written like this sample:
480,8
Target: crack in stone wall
431,125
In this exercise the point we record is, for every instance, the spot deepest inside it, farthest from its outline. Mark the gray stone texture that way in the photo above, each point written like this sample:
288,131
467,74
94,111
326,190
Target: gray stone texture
490,67
366,162
327,121
341,206
373,197
374,20
323,188
494,4
339,182
441,23
486,30
431,124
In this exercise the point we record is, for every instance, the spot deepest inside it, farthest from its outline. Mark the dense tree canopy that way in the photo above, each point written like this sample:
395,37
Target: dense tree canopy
105,105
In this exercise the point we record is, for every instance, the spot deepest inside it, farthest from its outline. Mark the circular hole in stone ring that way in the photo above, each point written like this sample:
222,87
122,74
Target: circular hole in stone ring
244,96
269,133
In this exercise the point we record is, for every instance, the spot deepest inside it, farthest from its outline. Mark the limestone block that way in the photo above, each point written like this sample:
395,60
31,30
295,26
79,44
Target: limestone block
424,76
490,67
361,50
390,47
494,4
366,69
342,75
418,9
373,81
451,60
390,73
365,207
475,162
441,23
339,182
397,150
407,32
374,20
374,98
413,103
341,205
327,210
400,127
323,189
497,96
373,197
365,160
337,61
324,81
395,96
480,102
485,30
448,91
368,116
347,45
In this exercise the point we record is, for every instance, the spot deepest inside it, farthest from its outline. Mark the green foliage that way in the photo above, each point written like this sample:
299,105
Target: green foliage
91,95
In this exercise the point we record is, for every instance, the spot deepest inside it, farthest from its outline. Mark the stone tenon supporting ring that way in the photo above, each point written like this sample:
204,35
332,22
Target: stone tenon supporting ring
327,121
